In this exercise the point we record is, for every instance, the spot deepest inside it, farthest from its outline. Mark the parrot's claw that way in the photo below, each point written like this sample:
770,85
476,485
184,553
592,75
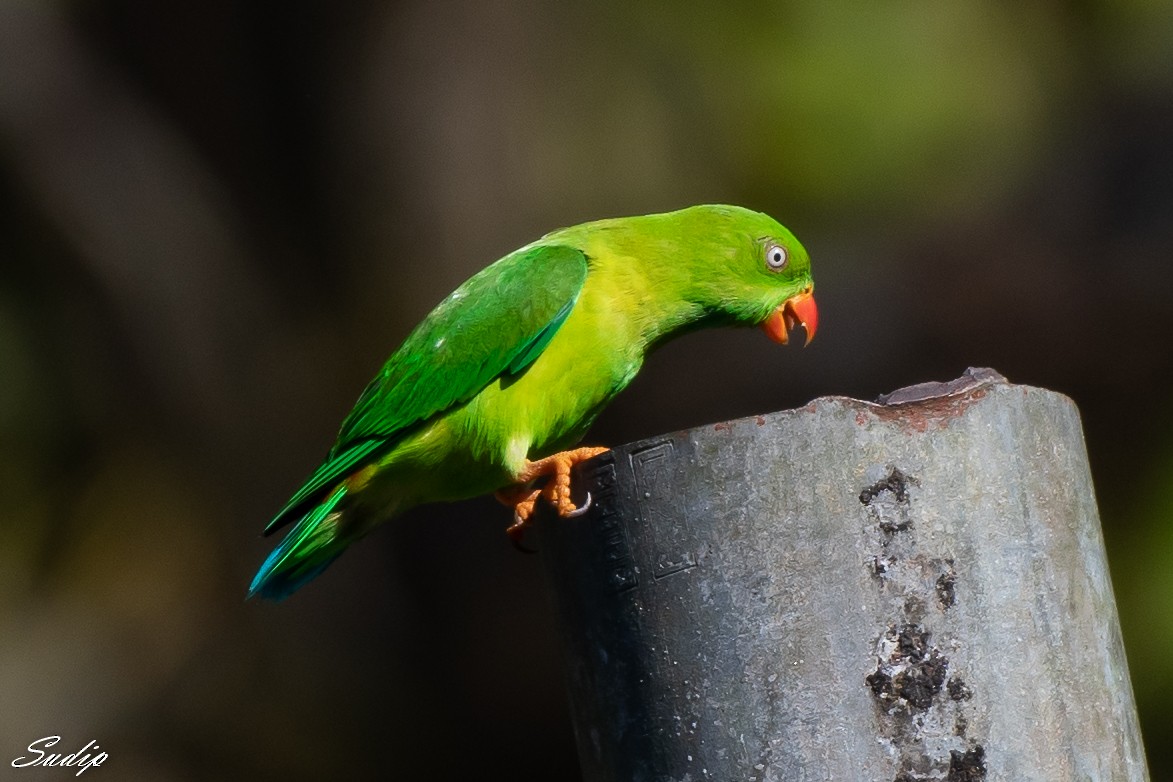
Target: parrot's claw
516,533
581,509
523,499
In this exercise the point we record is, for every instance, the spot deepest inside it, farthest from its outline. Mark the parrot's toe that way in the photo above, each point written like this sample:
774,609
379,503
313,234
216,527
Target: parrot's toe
523,500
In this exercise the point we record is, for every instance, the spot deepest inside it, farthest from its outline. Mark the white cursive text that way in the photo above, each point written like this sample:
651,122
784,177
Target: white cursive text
83,759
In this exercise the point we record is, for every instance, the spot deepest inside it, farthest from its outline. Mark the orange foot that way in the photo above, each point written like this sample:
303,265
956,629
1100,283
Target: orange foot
522,498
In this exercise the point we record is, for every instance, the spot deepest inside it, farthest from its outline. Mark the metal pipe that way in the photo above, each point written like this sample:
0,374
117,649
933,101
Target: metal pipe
906,590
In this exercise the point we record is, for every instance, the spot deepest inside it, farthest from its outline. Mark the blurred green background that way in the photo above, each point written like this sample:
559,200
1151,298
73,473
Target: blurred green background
219,218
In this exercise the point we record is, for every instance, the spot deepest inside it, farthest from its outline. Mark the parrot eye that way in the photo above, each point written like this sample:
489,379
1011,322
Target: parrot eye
776,257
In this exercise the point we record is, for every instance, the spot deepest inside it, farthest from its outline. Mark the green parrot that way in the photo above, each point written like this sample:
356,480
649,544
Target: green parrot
513,367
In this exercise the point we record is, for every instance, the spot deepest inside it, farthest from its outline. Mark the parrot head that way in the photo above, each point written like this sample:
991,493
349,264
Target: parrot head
748,268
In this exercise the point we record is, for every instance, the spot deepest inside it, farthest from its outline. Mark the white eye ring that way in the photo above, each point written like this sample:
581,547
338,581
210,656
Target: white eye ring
776,257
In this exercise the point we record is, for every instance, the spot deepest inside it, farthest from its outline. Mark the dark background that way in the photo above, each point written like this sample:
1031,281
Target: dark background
218,219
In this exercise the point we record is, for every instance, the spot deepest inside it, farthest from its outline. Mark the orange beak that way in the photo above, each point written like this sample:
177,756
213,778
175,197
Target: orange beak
799,310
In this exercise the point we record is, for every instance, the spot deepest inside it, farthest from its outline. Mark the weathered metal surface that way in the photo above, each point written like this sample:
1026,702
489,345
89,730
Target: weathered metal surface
848,591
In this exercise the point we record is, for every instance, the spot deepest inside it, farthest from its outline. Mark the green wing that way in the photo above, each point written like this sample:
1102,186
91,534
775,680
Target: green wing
497,323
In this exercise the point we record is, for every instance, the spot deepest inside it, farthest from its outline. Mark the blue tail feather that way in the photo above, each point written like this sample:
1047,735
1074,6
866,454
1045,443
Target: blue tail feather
309,548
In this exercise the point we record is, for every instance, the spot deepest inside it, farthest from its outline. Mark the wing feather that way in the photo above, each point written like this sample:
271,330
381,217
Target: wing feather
497,323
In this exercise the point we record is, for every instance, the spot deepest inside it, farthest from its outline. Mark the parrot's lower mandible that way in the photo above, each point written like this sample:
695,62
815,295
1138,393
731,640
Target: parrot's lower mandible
511,368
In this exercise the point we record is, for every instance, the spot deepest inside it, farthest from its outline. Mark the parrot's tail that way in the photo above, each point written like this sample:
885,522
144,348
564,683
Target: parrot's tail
309,548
